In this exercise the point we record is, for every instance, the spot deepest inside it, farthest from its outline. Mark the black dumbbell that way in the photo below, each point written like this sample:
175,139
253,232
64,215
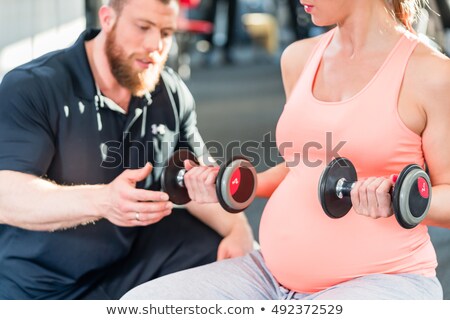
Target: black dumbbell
235,182
411,193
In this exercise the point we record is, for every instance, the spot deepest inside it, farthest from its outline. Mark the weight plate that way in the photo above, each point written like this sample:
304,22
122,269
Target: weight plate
178,194
337,169
411,196
236,184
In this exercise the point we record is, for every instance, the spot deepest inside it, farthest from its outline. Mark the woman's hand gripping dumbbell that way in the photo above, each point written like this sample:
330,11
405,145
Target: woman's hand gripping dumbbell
235,181
410,194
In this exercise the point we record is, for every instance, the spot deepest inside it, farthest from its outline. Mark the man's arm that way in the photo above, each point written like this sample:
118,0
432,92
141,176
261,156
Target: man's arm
30,202
238,237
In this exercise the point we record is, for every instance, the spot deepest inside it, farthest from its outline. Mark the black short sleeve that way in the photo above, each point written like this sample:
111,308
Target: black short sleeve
26,138
190,136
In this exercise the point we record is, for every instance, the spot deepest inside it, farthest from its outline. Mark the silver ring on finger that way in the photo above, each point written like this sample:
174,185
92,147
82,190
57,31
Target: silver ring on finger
137,216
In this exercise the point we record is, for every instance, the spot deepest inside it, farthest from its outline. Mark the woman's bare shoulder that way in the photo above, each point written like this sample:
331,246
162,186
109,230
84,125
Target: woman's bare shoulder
429,75
429,63
298,52
293,61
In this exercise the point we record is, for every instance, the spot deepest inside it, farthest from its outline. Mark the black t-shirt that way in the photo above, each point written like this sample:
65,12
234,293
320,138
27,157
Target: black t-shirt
55,124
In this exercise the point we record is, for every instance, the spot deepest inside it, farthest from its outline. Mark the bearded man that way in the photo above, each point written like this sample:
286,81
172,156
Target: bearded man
84,135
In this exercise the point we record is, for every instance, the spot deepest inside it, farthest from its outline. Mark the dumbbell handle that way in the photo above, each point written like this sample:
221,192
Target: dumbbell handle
180,177
344,187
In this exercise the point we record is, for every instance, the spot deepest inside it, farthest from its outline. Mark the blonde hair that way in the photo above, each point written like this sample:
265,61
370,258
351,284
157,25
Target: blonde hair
406,11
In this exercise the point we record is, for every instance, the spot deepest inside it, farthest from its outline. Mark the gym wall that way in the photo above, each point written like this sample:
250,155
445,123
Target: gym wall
30,28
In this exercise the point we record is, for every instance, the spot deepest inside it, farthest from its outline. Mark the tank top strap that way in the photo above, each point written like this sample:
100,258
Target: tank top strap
393,69
315,57
310,69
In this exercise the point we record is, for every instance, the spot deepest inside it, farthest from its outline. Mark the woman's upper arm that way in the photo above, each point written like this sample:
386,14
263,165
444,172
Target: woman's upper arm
436,136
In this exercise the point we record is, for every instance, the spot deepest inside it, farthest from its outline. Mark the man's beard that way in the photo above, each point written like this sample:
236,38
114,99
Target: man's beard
138,82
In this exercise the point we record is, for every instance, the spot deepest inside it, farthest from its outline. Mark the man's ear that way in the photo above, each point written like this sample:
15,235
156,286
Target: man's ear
107,17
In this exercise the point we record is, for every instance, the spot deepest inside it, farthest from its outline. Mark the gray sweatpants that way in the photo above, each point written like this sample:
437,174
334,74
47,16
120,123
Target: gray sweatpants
247,278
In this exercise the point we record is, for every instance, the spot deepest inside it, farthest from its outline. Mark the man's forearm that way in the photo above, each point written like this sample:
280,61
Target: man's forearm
33,203
213,215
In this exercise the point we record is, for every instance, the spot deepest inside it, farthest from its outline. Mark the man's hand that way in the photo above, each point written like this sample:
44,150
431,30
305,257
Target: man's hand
126,206
237,243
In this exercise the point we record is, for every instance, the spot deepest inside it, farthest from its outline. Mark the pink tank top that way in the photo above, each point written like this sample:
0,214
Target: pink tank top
305,249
